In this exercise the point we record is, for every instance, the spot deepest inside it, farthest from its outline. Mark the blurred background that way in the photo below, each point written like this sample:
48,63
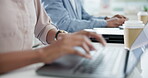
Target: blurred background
129,8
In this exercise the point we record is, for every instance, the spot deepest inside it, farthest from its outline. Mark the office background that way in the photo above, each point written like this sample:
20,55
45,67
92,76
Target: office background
129,8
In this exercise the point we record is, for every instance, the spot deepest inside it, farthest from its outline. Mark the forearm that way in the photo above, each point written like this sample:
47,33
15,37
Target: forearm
86,24
13,60
51,35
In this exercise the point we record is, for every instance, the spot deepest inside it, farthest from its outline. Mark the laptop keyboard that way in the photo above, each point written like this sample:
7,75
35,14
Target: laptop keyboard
99,61
86,67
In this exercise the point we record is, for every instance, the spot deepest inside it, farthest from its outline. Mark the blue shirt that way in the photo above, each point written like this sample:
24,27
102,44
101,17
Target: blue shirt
66,18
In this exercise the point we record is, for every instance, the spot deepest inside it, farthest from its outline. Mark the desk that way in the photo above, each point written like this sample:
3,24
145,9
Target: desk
26,72
29,71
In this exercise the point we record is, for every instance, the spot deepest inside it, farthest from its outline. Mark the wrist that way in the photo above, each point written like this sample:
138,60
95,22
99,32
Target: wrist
60,34
106,18
40,54
48,54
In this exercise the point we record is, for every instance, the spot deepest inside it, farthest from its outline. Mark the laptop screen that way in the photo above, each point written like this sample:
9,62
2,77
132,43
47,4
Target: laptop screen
138,48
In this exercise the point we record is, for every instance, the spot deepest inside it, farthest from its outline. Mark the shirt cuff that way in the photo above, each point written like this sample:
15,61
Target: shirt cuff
43,35
100,23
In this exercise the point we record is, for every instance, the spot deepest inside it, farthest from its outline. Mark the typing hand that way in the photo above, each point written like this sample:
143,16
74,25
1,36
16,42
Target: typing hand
120,16
115,22
66,45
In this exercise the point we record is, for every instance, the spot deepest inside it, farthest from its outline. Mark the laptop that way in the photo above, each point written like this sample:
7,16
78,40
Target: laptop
112,61
111,35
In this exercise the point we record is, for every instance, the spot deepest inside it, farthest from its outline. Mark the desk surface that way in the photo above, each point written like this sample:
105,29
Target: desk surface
26,72
29,71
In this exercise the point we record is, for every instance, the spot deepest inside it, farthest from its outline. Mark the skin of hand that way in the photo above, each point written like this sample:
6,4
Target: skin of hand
65,45
120,16
116,20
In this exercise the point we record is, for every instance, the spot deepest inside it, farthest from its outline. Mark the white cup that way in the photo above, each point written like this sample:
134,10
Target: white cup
131,31
143,16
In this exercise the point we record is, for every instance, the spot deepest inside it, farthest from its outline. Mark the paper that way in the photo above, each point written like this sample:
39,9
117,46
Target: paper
109,31
142,39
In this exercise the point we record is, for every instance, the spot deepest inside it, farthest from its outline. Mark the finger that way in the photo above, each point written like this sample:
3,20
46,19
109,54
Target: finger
117,24
101,39
85,43
113,19
76,52
81,54
125,18
98,38
121,21
94,35
89,44
120,16
86,48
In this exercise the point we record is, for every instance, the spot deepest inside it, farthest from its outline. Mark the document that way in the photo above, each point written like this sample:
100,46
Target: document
109,31
142,39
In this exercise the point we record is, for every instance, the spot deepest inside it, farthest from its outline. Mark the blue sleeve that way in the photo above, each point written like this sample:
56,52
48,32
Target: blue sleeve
61,17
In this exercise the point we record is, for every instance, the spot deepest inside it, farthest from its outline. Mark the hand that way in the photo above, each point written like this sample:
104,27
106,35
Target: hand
66,45
115,22
120,16
92,35
85,33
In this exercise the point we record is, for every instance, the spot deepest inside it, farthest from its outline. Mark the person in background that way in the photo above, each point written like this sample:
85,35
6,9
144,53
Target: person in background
70,15
19,21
